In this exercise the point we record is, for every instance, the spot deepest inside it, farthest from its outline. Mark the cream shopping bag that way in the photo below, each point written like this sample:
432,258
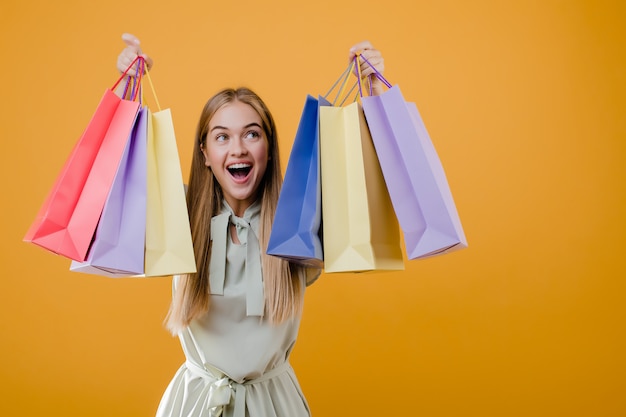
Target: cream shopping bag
169,247
360,229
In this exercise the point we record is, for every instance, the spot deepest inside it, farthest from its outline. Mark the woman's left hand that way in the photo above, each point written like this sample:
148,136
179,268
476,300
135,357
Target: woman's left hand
375,58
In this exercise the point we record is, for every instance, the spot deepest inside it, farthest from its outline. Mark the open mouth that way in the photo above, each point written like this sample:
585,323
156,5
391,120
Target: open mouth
240,170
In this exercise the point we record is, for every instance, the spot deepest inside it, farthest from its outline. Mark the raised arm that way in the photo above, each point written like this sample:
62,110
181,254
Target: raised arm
127,56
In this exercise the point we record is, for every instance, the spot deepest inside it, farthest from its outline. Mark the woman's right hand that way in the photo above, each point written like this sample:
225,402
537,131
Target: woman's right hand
375,59
128,55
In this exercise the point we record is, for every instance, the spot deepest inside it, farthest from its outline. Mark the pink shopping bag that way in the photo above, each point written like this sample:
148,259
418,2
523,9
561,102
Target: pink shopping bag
66,222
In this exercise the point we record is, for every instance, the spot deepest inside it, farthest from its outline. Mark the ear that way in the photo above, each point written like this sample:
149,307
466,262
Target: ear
206,156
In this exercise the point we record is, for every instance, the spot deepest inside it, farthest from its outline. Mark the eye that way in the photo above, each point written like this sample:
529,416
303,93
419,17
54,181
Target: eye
222,137
253,134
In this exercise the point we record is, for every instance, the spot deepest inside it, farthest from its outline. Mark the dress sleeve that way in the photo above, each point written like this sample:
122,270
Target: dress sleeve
311,275
175,280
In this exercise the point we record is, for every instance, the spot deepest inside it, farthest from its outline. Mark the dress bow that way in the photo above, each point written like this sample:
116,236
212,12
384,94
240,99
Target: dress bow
247,228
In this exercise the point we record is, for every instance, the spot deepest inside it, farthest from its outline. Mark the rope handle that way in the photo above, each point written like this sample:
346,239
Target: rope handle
153,90
137,90
136,80
376,73
343,79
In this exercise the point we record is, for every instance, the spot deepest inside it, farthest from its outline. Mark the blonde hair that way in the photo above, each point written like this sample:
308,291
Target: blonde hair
282,283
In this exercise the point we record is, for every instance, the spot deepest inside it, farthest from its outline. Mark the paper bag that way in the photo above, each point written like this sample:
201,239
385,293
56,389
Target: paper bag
360,229
169,248
119,242
67,220
414,175
295,234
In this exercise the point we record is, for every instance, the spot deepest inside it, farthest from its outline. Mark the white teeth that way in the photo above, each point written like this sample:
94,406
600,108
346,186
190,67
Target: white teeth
239,166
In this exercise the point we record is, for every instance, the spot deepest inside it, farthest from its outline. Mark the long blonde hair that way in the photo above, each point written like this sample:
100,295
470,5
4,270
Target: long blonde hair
282,285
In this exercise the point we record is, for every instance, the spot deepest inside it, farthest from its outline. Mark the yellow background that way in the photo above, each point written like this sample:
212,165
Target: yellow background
525,102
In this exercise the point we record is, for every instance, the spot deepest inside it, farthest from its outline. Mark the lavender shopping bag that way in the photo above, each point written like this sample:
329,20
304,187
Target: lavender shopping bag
414,175
118,246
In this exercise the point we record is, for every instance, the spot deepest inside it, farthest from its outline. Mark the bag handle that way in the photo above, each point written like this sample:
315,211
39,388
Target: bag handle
153,90
343,79
376,73
137,88
136,81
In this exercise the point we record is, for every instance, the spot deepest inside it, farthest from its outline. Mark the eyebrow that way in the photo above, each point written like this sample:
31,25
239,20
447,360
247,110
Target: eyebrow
245,127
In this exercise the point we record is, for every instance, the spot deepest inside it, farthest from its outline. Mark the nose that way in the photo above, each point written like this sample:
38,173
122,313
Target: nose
238,146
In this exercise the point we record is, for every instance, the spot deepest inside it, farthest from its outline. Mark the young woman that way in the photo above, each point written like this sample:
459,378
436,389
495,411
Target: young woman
238,316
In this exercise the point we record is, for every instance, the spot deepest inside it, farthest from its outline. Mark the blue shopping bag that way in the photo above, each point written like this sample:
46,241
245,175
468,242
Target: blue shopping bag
296,232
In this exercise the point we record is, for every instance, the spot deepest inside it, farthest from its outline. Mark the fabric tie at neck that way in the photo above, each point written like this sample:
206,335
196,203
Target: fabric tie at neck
247,229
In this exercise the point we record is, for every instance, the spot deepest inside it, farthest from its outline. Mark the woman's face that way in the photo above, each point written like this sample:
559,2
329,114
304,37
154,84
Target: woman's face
236,149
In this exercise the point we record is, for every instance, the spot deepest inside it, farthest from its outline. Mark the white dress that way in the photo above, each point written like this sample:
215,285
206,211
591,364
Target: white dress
237,363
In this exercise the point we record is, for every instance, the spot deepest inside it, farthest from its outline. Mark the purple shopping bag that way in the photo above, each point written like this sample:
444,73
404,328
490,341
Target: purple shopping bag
118,246
414,175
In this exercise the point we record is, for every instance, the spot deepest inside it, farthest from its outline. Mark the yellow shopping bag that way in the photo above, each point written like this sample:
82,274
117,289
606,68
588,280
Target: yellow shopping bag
360,229
169,247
